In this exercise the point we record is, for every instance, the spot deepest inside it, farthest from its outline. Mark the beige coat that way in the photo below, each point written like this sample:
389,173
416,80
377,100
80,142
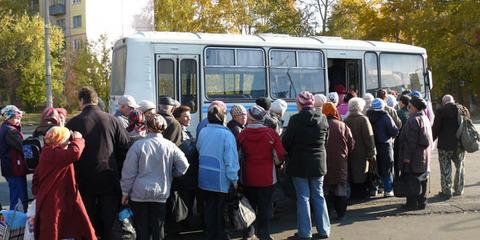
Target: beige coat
364,150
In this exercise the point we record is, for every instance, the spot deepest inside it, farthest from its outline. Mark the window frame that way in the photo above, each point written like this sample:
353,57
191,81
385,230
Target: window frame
365,69
296,50
73,21
235,48
424,90
124,82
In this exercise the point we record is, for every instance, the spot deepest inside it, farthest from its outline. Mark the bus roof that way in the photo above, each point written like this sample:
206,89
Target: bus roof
269,40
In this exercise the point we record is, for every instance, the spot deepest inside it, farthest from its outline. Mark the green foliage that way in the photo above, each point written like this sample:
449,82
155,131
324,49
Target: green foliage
90,67
22,62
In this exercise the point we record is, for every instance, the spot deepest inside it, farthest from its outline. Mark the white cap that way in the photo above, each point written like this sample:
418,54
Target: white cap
279,106
127,100
320,99
146,105
333,97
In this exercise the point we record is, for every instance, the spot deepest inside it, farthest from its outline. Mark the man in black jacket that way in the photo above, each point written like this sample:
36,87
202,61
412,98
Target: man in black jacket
444,128
166,106
98,170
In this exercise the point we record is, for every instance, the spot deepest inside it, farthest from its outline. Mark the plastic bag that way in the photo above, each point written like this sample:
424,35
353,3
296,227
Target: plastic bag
29,231
243,214
123,227
13,226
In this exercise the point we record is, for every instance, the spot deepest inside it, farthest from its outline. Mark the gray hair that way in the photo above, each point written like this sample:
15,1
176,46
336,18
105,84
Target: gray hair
356,104
447,99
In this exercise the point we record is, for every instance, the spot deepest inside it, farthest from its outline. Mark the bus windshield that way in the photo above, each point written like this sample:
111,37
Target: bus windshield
400,72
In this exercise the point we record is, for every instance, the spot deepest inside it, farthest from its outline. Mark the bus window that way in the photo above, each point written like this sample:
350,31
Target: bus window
119,64
166,78
402,71
243,80
371,72
293,71
188,78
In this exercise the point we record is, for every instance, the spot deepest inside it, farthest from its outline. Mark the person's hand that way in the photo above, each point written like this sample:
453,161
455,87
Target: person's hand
235,185
76,135
124,199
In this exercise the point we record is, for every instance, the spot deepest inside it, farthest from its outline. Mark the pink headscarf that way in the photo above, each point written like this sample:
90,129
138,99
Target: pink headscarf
219,104
305,99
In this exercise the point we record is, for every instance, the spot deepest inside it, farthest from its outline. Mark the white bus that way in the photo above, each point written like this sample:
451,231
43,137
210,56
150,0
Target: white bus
197,68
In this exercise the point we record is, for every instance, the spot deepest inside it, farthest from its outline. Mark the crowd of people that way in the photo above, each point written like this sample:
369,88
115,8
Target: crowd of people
144,157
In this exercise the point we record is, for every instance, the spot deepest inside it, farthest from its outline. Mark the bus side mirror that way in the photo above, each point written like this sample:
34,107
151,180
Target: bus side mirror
429,78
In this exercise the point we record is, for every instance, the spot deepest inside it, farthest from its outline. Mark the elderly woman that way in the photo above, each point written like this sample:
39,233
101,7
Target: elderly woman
239,119
415,150
50,117
147,175
12,162
384,130
339,145
277,112
368,97
60,212
320,99
363,155
218,170
261,149
305,140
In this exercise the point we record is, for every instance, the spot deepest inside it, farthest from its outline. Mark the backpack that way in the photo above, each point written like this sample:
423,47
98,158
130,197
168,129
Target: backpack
467,134
32,147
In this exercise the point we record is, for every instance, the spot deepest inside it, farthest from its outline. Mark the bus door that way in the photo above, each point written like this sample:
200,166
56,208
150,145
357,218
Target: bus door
354,74
177,77
345,72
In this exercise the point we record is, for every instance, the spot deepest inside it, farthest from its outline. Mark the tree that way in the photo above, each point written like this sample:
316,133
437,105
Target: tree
22,62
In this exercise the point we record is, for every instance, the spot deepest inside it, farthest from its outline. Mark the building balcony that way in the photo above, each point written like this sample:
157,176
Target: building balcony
57,9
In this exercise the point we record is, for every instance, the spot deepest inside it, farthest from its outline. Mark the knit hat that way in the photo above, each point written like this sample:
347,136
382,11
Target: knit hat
378,104
256,113
330,110
264,102
333,97
57,136
340,89
216,115
156,123
391,101
166,101
219,104
415,93
320,99
135,118
279,106
11,111
368,97
146,105
418,103
238,110
305,99
50,116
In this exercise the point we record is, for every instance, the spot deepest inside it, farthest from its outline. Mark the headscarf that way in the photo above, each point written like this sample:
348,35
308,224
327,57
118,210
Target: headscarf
257,113
216,115
333,97
418,103
156,123
279,106
320,99
330,110
50,116
62,111
136,118
238,110
221,105
305,99
11,111
57,136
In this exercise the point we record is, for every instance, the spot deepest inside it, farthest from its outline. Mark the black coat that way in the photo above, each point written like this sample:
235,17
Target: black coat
173,132
304,140
106,144
445,127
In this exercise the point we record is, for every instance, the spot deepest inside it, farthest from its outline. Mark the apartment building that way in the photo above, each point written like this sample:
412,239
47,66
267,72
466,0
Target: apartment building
87,20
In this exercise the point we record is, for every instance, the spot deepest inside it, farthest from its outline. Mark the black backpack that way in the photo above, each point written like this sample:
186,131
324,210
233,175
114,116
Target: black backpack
32,147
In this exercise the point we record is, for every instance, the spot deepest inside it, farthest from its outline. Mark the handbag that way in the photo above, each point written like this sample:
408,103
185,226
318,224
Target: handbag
243,214
406,184
179,208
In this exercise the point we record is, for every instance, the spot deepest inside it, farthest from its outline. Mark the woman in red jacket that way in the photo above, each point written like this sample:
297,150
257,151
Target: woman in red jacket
260,151
60,212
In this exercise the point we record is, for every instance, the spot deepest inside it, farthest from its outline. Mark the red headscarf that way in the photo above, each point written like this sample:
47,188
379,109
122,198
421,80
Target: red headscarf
330,110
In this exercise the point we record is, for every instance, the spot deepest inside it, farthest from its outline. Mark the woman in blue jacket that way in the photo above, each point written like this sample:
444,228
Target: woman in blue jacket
218,170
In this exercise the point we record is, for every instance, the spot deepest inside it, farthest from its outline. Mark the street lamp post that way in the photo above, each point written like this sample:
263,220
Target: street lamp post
47,57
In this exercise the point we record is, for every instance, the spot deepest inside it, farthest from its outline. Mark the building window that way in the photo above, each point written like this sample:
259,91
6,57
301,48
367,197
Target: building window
77,44
61,24
77,21
77,1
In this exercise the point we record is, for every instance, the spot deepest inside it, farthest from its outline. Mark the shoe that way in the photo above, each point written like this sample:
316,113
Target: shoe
445,196
457,193
372,193
296,237
268,238
421,206
254,237
388,194
318,236
407,208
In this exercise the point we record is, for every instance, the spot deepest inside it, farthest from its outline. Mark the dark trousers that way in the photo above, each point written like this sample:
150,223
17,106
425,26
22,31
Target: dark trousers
102,211
337,203
149,220
188,197
359,190
214,212
260,199
419,201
